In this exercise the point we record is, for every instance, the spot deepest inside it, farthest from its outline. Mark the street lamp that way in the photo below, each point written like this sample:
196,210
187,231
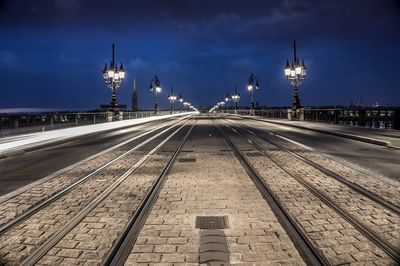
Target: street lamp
221,104
180,100
186,104
251,87
227,98
235,98
113,76
155,86
172,99
295,73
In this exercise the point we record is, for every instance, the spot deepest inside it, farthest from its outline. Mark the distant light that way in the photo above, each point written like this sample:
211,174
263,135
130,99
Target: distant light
158,89
250,87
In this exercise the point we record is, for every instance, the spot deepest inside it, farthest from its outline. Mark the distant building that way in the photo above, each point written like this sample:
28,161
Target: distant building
134,97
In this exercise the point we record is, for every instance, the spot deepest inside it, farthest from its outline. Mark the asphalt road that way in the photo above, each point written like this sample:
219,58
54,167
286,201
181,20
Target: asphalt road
20,170
373,159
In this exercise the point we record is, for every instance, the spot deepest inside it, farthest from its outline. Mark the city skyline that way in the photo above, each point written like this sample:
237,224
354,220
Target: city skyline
52,53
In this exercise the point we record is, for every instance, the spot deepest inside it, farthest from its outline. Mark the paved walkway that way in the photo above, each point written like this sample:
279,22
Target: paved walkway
208,180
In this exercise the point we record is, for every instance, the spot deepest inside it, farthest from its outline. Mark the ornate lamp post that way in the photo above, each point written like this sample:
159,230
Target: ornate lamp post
227,98
235,98
221,104
180,100
295,73
113,76
155,86
172,99
252,85
186,104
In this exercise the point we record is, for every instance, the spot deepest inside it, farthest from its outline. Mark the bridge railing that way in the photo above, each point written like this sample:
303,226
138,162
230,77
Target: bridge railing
11,124
371,117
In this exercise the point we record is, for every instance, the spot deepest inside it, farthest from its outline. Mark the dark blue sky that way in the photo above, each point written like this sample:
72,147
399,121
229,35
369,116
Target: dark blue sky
52,51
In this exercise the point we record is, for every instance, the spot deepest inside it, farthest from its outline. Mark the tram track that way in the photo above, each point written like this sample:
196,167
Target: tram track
373,236
35,256
370,195
50,210
42,203
120,251
63,191
307,250
371,187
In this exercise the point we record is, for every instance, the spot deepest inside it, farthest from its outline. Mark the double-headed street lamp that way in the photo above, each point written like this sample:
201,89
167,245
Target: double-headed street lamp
113,76
172,99
235,98
155,86
252,85
295,73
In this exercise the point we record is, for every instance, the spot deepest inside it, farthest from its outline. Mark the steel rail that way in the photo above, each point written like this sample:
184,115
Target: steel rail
372,196
7,226
122,247
41,251
388,248
309,253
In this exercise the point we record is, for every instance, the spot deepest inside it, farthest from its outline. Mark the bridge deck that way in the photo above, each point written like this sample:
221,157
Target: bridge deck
212,190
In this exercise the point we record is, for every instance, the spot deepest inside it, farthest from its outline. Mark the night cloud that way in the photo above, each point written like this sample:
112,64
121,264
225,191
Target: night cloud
8,59
204,47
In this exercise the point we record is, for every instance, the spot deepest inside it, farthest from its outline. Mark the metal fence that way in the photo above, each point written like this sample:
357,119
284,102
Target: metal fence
378,117
371,117
11,124
268,113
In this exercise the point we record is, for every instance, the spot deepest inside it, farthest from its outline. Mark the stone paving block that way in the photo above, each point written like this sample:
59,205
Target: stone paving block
149,257
69,253
177,241
50,260
174,257
165,249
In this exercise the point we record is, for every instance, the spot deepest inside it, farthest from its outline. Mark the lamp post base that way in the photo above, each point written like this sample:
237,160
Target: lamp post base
296,114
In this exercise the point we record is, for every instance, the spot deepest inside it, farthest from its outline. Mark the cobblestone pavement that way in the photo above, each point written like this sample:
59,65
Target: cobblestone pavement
208,180
339,241
384,222
90,240
20,240
388,191
27,199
